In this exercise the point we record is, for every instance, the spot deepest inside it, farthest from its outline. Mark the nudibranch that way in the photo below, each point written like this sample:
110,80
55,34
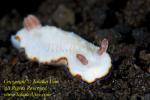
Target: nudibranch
52,45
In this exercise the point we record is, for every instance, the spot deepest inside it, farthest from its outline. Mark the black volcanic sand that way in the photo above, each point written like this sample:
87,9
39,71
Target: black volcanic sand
126,24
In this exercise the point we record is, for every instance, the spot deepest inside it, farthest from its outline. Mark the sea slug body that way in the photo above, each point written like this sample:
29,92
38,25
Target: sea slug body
51,45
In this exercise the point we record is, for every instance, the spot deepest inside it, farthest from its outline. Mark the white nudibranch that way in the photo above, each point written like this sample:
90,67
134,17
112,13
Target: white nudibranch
51,45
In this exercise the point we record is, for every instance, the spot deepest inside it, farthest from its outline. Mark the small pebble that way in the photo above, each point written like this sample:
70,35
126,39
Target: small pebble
63,16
